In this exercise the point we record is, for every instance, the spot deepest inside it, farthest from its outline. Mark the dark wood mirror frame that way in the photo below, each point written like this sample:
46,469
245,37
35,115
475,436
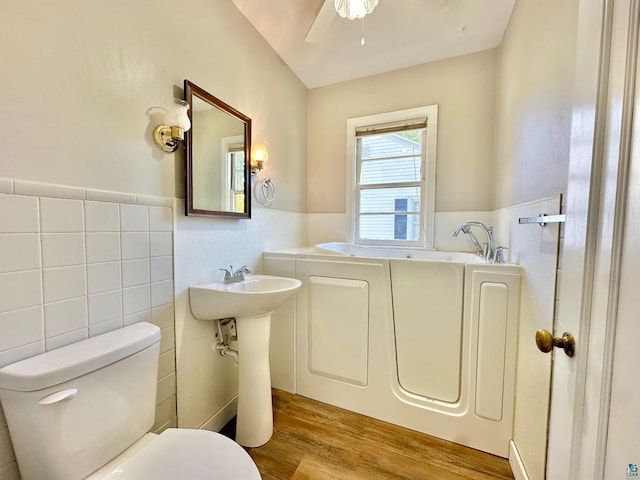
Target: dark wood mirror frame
191,90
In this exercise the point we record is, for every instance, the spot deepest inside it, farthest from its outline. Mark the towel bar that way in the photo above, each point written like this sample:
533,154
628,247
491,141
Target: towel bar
543,219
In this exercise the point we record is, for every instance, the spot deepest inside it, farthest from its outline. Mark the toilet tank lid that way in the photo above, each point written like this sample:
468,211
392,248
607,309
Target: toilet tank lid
72,361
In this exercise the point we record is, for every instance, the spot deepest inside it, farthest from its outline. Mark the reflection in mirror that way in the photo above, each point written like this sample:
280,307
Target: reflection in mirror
218,147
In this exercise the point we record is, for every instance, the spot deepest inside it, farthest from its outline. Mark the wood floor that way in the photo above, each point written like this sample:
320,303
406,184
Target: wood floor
315,441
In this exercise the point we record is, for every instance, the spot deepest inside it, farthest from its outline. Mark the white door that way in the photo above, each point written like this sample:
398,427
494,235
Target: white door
622,451
596,200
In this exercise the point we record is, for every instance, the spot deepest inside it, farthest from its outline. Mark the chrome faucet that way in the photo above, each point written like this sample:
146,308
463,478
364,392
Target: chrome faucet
233,277
489,251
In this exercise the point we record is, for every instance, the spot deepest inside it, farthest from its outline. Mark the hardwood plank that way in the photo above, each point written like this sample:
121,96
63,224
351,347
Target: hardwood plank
316,441
312,467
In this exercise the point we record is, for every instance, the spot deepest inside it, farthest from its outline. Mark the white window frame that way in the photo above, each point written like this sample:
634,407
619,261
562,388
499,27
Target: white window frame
429,173
226,193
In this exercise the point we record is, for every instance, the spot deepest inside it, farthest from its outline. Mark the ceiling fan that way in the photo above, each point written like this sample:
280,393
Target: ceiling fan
351,9
357,9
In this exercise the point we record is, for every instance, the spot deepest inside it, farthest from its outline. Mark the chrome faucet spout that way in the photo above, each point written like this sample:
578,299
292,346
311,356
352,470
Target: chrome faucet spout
231,276
464,228
488,252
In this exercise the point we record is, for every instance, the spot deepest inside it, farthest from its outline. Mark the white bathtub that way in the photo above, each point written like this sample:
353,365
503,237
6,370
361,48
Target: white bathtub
351,250
421,339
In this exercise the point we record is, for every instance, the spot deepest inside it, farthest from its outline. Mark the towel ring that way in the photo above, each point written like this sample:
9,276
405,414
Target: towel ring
268,190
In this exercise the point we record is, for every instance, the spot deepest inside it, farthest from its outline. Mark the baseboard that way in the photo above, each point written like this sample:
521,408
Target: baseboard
222,416
517,467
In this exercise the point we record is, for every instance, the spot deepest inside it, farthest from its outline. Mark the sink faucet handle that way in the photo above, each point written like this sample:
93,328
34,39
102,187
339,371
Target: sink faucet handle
227,273
238,275
498,255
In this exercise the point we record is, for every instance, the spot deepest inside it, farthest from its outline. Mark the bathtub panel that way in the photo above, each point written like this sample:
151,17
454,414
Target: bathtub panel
427,307
383,397
492,331
339,329
282,353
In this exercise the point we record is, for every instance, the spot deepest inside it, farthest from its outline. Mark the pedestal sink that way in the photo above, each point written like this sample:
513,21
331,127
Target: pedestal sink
251,302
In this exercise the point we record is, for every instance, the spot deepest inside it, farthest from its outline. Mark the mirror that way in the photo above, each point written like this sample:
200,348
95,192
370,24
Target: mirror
218,149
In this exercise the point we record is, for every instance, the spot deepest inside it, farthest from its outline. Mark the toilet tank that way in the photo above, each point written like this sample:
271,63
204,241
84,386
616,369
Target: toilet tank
73,409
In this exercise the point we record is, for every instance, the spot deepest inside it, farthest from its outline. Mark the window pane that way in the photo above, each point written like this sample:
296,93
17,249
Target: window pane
390,227
394,170
238,166
391,144
380,200
239,202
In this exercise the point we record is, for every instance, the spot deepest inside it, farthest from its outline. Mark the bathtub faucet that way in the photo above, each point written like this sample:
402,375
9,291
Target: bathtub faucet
488,252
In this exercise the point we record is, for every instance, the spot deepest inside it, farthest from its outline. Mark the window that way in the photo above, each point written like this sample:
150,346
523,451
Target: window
392,177
232,173
236,177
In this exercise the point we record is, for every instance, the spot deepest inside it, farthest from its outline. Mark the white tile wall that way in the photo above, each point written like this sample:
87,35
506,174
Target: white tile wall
63,283
20,290
102,217
20,251
64,317
135,245
19,214
63,249
143,316
136,299
135,272
160,244
134,218
104,307
61,215
65,339
80,264
160,219
75,263
161,268
26,326
103,247
161,293
103,277
163,316
19,353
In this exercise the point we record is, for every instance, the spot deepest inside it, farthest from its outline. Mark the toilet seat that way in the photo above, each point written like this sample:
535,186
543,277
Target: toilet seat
186,453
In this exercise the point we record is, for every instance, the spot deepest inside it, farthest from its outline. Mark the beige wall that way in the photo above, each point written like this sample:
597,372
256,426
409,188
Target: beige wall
80,76
77,80
536,66
463,87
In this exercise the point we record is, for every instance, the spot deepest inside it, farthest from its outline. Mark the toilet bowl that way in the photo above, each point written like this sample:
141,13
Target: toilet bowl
178,454
84,411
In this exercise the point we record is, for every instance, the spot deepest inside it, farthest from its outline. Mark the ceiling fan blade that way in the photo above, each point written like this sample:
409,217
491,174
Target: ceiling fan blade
321,23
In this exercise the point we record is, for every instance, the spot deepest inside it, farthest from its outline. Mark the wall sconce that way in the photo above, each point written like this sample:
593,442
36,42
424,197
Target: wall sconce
175,122
259,156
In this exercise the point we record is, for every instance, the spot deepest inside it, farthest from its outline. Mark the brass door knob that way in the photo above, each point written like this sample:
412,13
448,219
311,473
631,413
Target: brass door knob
546,342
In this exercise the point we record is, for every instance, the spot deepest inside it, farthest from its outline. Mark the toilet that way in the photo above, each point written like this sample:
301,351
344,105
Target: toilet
84,411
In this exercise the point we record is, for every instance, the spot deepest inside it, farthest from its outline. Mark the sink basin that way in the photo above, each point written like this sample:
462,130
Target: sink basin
251,302
256,295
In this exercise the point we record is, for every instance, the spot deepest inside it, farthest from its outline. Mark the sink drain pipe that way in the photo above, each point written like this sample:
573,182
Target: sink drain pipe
222,346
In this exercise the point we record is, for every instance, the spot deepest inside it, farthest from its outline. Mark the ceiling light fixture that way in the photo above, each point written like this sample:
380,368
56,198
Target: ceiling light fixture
355,9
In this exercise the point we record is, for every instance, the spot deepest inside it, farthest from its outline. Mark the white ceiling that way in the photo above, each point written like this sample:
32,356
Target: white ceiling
399,33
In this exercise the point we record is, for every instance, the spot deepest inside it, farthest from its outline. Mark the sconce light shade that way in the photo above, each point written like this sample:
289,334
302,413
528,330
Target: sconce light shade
355,9
259,156
176,122
176,114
